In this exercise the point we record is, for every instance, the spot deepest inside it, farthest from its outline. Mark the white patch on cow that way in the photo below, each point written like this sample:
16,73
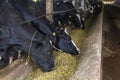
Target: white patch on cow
59,22
10,59
82,5
50,42
73,3
19,53
76,46
66,31
98,5
78,17
91,9
83,19
73,42
54,46
57,3
94,6
65,1
0,58
57,48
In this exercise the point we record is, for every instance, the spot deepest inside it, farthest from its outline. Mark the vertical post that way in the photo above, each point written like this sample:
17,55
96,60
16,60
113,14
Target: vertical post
84,8
76,3
49,9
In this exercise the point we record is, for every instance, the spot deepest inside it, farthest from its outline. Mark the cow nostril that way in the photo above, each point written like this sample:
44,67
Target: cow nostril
48,69
76,52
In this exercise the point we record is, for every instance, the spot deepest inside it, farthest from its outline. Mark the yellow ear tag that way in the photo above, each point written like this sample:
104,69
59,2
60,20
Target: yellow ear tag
34,1
54,34
70,16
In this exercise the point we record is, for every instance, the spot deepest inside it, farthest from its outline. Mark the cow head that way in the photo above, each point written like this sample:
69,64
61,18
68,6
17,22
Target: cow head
42,53
70,16
65,43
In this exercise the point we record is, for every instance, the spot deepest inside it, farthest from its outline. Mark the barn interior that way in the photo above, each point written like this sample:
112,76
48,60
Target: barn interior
99,54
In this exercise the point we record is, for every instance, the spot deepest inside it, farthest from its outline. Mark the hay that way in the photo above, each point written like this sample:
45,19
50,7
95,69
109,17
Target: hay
65,64
78,37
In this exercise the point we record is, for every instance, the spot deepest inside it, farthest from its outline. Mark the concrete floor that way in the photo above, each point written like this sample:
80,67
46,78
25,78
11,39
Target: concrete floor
111,42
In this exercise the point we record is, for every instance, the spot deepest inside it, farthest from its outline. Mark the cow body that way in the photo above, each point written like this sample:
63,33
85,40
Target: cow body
64,18
19,38
28,10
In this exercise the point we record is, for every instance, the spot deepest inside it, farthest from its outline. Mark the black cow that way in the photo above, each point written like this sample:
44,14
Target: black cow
64,18
62,40
8,44
77,18
15,37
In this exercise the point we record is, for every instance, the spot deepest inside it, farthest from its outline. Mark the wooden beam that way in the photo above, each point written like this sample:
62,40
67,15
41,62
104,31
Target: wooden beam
49,9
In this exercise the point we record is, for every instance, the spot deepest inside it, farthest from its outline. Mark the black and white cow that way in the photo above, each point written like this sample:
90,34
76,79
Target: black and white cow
94,6
27,9
70,16
16,38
